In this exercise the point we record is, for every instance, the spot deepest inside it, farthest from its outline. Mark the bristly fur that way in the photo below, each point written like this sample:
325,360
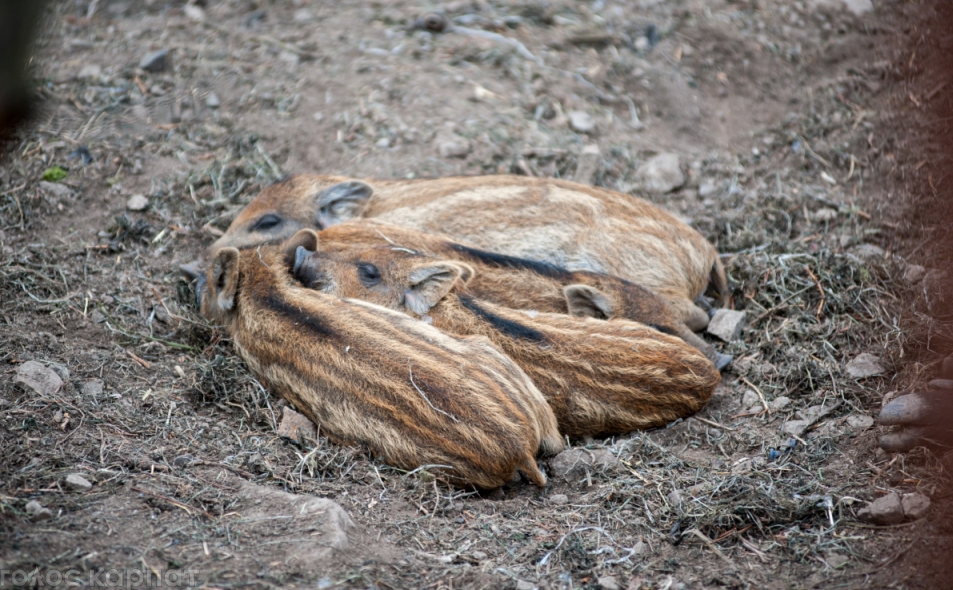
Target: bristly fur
368,375
601,378
557,222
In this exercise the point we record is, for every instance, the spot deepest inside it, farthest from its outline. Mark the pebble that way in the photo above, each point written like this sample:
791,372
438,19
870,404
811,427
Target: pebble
78,483
779,403
857,7
479,555
867,253
194,13
581,122
749,399
825,214
454,148
92,388
524,585
707,189
914,273
674,497
212,101
137,203
90,72
860,421
295,426
935,290
37,511
914,505
864,365
303,15
38,377
588,164
726,324
660,174
56,189
580,460
183,460
559,499
97,317
608,583
155,61
383,142
884,511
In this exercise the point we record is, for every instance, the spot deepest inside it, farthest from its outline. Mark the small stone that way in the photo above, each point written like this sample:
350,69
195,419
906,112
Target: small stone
867,253
825,214
155,61
864,365
559,499
97,317
137,203
37,512
212,101
581,122
78,483
779,403
660,174
795,427
183,460
914,273
883,511
835,560
303,15
749,399
674,498
479,555
295,426
454,148
608,583
726,324
194,13
936,290
857,7
56,189
524,585
914,505
588,164
92,388
574,461
383,142
642,43
38,377
859,421
90,72
707,189
289,57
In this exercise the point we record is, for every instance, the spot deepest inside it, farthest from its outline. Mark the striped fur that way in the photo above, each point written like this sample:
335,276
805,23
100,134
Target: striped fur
519,283
371,376
601,378
564,223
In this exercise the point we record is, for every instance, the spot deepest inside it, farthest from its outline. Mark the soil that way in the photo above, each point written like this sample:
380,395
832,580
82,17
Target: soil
781,113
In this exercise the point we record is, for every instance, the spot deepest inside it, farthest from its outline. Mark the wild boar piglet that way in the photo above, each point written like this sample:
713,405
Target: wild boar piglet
368,375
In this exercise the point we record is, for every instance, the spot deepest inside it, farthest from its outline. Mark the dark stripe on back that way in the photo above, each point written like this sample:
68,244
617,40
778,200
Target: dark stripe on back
502,261
504,326
663,329
298,316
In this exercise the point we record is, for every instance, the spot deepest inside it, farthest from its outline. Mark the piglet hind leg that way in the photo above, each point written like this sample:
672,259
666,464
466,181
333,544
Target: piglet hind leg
922,418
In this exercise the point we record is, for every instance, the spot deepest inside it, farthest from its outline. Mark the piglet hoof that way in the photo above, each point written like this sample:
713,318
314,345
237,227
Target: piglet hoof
923,418
722,361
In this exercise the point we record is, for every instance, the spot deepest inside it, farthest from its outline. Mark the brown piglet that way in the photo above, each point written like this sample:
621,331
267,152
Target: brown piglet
601,378
371,376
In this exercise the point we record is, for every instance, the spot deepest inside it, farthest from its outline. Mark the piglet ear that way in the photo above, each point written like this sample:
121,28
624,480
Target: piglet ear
429,283
221,283
305,238
341,202
586,301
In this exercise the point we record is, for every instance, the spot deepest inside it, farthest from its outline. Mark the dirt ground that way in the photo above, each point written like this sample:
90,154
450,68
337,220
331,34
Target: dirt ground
779,111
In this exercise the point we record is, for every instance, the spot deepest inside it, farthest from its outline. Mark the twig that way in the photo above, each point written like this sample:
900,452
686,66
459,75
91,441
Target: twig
710,544
820,306
423,395
712,423
141,361
758,391
519,47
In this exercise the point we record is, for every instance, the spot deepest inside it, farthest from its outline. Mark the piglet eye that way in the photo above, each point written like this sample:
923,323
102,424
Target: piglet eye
369,274
266,222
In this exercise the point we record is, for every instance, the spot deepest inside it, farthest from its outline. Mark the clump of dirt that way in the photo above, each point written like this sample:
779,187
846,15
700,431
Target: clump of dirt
775,110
